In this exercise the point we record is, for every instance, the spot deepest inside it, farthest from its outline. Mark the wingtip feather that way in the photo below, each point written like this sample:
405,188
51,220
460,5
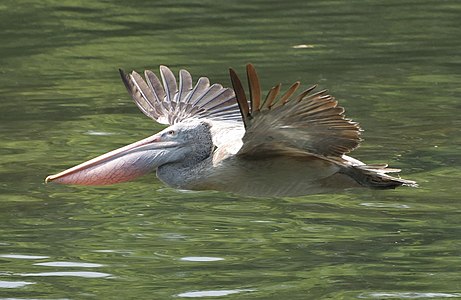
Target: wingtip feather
255,88
240,96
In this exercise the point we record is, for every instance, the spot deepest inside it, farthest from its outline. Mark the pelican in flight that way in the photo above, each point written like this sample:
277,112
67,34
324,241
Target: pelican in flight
284,144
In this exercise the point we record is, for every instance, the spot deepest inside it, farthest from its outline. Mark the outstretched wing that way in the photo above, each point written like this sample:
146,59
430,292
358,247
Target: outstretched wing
309,123
169,102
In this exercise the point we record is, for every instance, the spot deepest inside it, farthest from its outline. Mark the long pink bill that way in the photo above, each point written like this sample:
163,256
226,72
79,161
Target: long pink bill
120,165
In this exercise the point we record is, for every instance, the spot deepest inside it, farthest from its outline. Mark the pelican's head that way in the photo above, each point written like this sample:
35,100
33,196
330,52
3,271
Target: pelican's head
186,142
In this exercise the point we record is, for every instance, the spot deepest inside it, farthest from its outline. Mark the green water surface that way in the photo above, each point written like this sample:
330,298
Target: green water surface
395,66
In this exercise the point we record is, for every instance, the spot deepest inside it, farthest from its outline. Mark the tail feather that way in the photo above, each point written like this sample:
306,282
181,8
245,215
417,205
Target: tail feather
375,176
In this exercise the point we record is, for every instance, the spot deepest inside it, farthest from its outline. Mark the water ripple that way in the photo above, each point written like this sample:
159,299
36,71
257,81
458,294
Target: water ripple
201,258
21,256
384,205
197,294
14,284
410,295
68,264
68,274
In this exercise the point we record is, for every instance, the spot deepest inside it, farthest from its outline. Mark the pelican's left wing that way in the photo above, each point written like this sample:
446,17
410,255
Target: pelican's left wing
170,101
306,124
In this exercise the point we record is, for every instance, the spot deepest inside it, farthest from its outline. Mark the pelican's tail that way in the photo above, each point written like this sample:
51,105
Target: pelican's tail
375,176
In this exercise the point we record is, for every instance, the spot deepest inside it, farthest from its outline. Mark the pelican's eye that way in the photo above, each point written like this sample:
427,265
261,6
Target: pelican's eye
171,133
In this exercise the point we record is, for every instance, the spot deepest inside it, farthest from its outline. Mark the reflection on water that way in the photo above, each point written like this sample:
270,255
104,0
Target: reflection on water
14,284
68,264
201,258
67,274
410,295
21,256
394,65
199,294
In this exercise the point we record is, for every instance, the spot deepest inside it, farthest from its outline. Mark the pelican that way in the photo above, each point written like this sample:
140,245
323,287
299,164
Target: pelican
225,139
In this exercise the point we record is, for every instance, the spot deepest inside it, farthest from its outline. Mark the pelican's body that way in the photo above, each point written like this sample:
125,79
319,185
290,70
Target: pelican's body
217,140
223,170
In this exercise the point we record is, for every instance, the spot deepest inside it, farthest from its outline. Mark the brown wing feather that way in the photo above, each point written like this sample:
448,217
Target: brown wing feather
273,93
311,123
286,97
255,88
240,96
305,93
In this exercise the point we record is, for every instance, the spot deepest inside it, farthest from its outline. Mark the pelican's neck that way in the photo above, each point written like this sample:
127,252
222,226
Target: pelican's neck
183,175
196,161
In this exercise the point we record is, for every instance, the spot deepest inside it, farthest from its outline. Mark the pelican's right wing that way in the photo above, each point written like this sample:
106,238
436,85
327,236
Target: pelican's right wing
169,102
307,124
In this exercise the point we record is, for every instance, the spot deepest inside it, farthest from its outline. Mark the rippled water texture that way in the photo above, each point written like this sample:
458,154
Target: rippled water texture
395,66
